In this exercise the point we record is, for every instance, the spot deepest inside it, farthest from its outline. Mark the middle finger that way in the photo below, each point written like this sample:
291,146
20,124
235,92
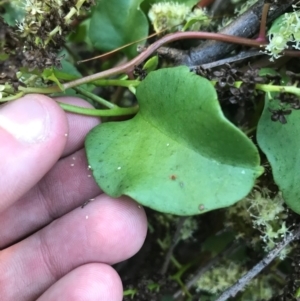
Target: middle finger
68,185
106,231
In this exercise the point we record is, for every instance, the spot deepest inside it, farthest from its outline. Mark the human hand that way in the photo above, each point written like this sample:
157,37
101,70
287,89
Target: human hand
51,249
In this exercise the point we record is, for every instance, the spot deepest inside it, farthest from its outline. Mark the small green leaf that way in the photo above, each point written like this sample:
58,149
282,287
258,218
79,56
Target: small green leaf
49,74
297,293
115,23
268,71
67,72
151,64
3,56
281,145
193,21
12,12
80,33
179,154
277,25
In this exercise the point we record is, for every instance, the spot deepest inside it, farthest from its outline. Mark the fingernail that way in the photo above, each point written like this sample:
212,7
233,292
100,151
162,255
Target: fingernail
27,119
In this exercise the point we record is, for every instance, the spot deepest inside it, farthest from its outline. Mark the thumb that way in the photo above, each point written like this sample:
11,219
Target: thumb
33,133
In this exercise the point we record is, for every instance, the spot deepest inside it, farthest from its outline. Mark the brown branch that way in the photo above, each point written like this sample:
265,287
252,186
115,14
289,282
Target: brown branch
246,25
242,282
232,59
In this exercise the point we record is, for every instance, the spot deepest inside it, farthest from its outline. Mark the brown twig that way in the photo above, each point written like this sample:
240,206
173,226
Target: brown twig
232,59
242,282
246,25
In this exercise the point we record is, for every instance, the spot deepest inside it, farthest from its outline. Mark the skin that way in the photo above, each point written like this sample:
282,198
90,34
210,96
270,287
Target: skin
51,248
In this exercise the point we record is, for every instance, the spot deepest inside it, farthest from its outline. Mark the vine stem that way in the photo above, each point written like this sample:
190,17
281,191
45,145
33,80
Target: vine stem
128,67
40,90
242,282
11,97
262,37
95,98
116,111
270,88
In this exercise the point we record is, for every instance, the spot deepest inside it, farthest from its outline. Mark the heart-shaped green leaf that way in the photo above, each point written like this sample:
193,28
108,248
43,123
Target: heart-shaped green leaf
179,154
115,23
281,144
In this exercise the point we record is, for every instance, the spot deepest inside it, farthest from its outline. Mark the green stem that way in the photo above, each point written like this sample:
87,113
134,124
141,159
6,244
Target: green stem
56,30
46,90
130,292
67,19
249,131
116,82
269,88
181,271
73,11
100,113
273,88
95,97
183,287
79,4
12,97
175,262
